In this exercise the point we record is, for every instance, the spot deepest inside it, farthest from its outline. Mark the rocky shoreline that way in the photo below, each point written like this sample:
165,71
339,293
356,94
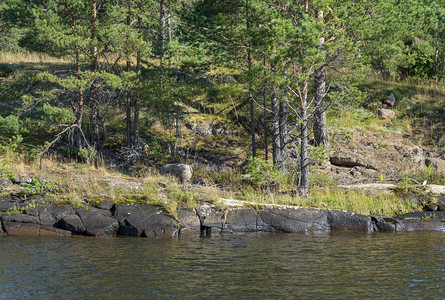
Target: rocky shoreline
151,221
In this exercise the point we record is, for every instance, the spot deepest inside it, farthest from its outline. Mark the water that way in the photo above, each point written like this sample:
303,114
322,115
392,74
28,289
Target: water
272,266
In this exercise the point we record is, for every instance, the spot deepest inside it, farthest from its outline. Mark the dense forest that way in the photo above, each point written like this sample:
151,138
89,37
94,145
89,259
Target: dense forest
122,80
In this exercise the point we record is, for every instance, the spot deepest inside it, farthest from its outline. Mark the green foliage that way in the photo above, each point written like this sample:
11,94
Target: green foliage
9,148
41,187
430,174
88,154
7,174
57,115
224,176
263,175
6,70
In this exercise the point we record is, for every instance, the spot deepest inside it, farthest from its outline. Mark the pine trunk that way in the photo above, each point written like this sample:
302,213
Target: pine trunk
138,70
162,27
283,134
128,103
276,157
304,159
321,135
94,35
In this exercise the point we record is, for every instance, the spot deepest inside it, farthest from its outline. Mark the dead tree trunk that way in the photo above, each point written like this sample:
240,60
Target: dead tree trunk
128,102
321,135
303,187
138,70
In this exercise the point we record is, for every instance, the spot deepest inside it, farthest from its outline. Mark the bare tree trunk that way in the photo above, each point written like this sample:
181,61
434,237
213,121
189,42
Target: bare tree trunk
78,109
251,100
128,103
276,157
321,135
283,134
303,187
169,24
94,101
252,124
138,69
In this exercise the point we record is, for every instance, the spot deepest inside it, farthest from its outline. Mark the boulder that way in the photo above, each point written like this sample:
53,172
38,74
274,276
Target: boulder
181,171
437,163
6,204
350,160
295,219
96,224
210,216
389,102
199,129
28,229
386,224
46,219
189,222
145,220
72,223
21,229
343,220
243,219
48,231
5,184
22,178
20,218
414,154
387,114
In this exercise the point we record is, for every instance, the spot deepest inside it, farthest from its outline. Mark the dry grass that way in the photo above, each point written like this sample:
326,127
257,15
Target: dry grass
357,202
29,57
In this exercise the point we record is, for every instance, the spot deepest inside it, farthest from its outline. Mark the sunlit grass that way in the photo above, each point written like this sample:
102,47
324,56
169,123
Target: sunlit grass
353,201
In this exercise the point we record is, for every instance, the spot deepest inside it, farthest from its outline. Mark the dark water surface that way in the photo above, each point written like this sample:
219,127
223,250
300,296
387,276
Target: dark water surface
279,266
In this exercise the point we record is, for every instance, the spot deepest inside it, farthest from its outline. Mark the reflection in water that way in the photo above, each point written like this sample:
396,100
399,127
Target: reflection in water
341,265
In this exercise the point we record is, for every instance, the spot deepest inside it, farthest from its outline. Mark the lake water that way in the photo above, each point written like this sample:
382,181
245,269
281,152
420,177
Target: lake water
272,266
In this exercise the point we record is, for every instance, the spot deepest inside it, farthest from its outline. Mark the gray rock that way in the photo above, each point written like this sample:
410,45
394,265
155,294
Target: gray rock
242,219
189,222
437,163
343,220
59,212
72,223
47,219
389,102
5,184
199,129
21,229
295,219
96,224
48,231
414,154
22,178
387,114
6,204
350,160
30,230
145,220
181,171
210,216
21,218
386,224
